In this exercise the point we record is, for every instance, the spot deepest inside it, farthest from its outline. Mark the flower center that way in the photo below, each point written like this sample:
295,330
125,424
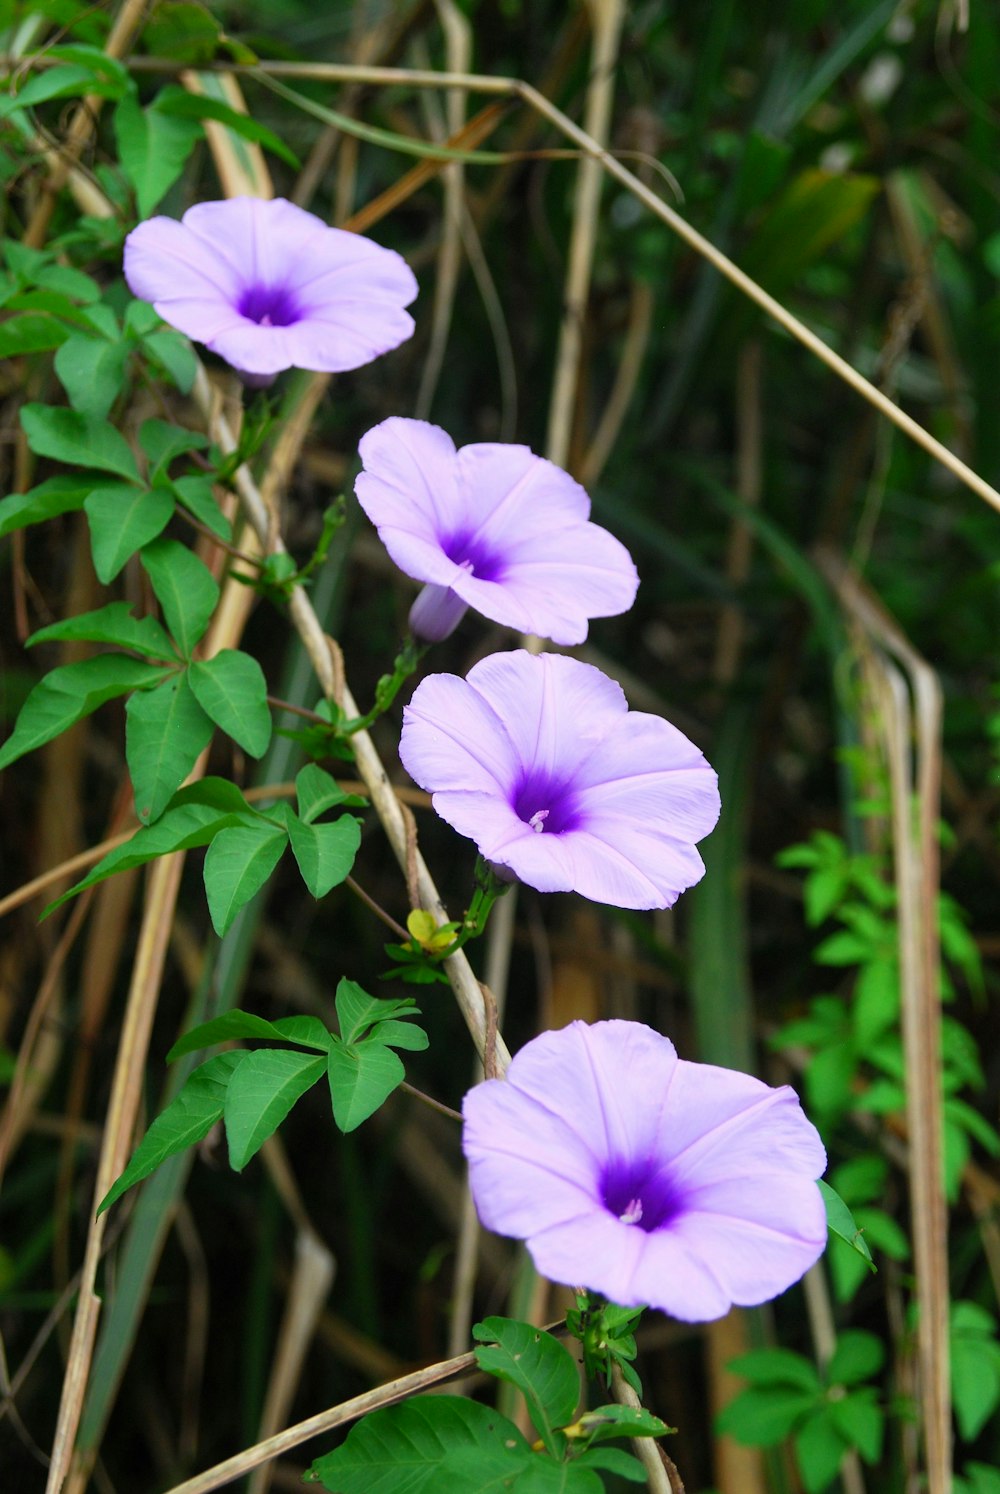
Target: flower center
268,306
640,1193
545,804
476,558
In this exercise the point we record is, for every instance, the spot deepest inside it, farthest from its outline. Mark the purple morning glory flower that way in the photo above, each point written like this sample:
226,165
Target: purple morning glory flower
538,759
651,1180
268,286
492,527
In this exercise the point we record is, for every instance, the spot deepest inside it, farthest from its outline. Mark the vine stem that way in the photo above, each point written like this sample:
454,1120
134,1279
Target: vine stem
324,1421
381,792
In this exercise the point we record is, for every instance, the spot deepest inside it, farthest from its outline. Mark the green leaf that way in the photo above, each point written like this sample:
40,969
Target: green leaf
174,354
857,1357
57,495
238,863
820,1450
92,372
765,1414
30,333
235,1024
357,1011
163,442
776,1367
317,792
198,496
111,624
56,83
165,731
260,1095
537,1364
861,1422
104,68
153,149
401,1449
182,826
840,1221
607,1422
613,1460
177,103
185,589
362,1077
78,440
975,1367
402,1035
186,1121
325,853
122,519
71,692
231,688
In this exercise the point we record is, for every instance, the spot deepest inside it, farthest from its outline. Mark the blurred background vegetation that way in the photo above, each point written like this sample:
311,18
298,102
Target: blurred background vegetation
846,157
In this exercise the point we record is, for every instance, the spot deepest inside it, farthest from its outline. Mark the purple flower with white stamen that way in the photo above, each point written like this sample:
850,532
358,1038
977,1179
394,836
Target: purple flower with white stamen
654,1181
492,527
538,759
269,286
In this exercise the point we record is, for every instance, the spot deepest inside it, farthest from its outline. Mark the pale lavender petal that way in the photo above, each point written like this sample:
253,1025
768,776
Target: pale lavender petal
554,708
167,265
652,774
527,1164
589,1075
763,1232
629,1267
510,492
408,491
626,869
748,1128
452,736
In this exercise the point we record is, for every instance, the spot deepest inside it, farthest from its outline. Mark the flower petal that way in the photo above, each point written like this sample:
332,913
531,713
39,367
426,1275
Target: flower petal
762,1232
341,296
408,490
452,736
554,709
629,1267
509,493
554,584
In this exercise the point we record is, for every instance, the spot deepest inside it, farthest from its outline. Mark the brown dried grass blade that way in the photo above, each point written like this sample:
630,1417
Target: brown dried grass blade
908,696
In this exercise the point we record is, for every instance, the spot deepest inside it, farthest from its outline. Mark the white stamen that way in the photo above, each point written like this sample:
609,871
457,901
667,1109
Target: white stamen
537,821
633,1213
